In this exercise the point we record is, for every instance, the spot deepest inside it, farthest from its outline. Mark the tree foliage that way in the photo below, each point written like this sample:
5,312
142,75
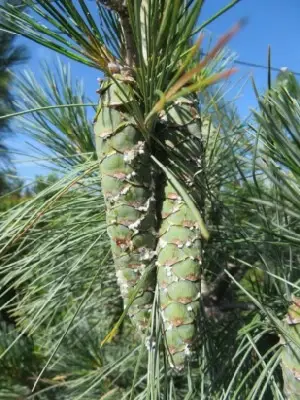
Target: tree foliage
64,328
10,56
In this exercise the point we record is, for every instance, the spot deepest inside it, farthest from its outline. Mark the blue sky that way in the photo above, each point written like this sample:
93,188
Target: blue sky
270,22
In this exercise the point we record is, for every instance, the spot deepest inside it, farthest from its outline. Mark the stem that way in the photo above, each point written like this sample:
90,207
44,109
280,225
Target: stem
120,7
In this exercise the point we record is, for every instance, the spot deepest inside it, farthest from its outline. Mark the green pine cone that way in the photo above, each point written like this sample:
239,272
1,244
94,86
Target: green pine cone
179,245
127,186
290,355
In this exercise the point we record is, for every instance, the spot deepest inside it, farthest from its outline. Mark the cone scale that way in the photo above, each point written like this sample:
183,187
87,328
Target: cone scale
127,186
179,245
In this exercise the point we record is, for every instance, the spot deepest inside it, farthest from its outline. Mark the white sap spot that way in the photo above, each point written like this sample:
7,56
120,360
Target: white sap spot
169,271
157,264
125,190
119,274
146,255
115,198
145,207
162,243
188,243
131,175
187,350
129,156
142,208
147,343
189,308
204,288
150,343
135,224
170,327
124,288
180,245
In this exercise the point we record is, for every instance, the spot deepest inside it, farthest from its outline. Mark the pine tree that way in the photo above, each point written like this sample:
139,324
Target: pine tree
163,167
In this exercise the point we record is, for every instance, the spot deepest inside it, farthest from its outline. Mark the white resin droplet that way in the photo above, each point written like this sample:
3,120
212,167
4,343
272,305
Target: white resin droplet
135,224
187,350
125,190
162,243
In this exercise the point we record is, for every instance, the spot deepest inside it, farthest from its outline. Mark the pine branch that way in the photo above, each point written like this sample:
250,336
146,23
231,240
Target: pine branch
120,7
116,5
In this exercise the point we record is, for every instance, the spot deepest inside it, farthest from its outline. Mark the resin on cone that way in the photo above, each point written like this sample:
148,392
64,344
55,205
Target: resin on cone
127,186
179,246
